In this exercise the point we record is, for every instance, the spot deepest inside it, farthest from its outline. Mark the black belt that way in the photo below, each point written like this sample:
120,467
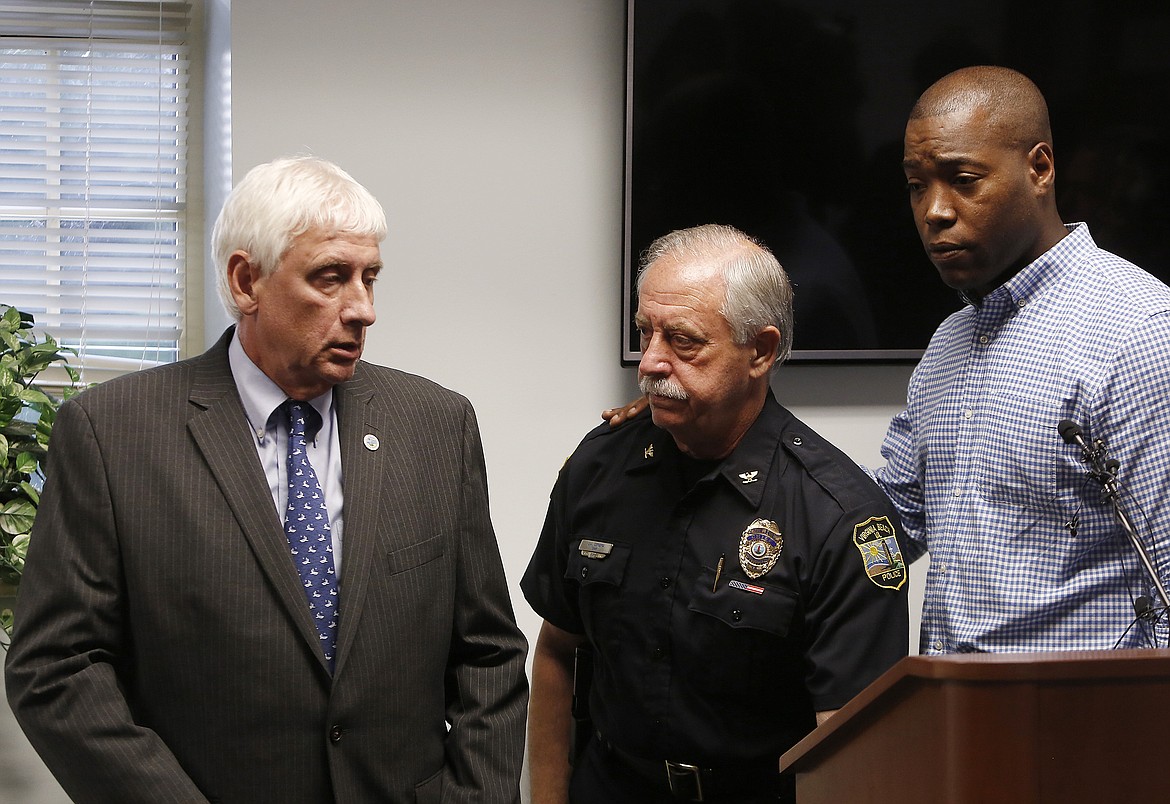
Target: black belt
689,782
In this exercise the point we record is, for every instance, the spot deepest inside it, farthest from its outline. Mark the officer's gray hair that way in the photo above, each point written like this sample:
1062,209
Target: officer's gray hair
757,291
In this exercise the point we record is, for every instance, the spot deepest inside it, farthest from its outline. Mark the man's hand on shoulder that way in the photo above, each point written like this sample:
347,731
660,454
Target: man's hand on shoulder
617,416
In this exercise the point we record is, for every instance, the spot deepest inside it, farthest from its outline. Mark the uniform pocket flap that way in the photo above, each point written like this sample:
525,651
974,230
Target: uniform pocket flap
591,561
746,604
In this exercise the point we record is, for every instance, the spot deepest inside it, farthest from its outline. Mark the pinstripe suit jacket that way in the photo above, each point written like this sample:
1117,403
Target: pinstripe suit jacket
164,651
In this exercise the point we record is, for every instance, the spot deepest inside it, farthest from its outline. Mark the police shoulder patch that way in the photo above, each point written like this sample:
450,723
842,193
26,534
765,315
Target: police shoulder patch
880,554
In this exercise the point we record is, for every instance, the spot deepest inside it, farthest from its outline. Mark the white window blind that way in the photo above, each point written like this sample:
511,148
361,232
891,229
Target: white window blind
93,148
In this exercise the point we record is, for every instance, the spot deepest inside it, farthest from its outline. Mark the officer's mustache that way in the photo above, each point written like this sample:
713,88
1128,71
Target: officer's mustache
663,386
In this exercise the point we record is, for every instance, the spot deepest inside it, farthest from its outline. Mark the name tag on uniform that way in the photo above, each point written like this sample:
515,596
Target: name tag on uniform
593,549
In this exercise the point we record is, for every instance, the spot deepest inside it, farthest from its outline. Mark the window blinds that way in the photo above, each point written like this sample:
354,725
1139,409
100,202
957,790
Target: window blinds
93,142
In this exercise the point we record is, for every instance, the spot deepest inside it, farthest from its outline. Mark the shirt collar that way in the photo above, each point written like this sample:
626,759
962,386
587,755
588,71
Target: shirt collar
747,467
1046,271
260,396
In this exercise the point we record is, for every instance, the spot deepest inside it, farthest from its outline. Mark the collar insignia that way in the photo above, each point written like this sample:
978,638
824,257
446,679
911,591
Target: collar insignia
749,477
880,554
648,452
759,547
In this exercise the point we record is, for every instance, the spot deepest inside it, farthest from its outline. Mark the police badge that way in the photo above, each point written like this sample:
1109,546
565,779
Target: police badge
878,543
759,547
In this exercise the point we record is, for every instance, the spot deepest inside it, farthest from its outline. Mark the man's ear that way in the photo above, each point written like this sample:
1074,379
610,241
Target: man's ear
1042,167
242,276
764,346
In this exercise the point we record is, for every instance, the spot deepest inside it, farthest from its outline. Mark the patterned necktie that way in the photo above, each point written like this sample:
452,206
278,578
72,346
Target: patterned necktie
306,523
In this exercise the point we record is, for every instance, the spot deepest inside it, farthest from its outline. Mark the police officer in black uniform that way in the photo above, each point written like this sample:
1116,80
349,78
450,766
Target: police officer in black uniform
734,577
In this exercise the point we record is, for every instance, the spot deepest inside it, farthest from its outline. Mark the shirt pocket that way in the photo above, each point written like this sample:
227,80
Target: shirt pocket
600,581
750,631
1017,453
759,607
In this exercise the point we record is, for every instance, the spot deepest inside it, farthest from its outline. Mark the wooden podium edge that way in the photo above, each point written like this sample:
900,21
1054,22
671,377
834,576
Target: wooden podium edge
973,667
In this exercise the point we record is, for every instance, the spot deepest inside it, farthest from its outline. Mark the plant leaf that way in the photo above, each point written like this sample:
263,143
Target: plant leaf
16,517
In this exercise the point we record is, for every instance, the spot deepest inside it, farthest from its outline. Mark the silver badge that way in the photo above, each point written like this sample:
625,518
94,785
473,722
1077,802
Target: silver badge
759,547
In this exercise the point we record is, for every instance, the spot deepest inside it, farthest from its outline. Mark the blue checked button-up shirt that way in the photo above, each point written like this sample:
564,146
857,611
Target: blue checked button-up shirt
1026,553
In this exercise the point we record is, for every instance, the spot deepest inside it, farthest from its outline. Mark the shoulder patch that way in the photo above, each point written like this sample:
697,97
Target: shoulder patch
877,541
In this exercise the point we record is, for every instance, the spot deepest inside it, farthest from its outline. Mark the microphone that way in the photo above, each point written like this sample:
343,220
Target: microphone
1072,433
1091,454
1105,470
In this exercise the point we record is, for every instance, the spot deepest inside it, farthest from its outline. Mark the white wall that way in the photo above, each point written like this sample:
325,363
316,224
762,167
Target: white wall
492,133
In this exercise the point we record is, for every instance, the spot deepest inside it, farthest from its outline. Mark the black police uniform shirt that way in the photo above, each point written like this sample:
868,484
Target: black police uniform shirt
710,666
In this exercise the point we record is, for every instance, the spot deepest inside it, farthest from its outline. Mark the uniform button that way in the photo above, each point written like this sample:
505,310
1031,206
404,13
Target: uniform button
335,734
658,653
737,615
584,572
797,441
664,582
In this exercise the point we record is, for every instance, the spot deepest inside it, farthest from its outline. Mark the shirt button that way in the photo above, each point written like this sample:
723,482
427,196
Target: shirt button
658,653
942,567
937,645
584,572
335,734
664,582
968,413
737,615
984,339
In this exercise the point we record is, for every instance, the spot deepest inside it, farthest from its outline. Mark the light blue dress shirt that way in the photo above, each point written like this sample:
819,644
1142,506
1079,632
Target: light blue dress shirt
260,397
1026,553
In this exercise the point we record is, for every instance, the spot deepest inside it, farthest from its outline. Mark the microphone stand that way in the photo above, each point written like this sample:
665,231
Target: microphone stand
1105,473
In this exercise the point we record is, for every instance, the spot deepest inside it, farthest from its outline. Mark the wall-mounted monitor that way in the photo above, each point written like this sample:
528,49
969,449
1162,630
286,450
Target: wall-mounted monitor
785,119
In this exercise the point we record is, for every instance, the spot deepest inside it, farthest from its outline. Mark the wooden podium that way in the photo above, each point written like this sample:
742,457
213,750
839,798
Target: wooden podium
1016,728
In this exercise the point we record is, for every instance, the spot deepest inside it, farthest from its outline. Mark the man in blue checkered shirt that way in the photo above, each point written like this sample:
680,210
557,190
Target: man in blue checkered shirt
1026,553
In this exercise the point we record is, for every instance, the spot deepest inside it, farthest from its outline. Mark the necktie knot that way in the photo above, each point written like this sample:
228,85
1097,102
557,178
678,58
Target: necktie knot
303,418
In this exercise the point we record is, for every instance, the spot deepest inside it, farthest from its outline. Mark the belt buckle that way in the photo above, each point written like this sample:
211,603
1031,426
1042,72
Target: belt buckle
686,781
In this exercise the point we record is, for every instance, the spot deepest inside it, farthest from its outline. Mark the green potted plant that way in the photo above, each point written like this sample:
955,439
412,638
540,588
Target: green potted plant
26,419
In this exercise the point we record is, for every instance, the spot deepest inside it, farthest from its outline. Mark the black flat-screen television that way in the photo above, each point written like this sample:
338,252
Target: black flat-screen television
785,119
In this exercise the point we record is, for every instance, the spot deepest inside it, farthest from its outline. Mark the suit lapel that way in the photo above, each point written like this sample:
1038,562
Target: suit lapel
219,428
365,480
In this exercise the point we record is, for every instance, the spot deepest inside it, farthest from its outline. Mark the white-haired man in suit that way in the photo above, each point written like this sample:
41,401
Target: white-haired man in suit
182,636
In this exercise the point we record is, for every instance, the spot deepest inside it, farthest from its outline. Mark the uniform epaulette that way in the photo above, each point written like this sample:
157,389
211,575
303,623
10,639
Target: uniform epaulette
832,469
